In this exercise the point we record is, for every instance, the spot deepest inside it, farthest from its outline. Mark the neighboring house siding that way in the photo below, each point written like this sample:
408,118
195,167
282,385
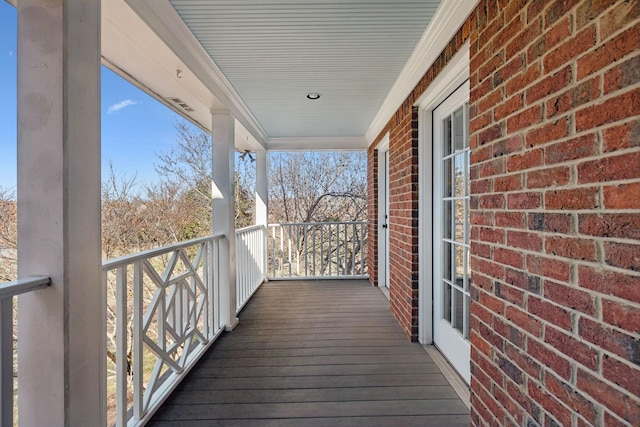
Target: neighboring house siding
555,170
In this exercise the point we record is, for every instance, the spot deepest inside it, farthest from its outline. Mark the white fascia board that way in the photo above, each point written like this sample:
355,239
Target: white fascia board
357,143
453,75
444,24
133,51
160,16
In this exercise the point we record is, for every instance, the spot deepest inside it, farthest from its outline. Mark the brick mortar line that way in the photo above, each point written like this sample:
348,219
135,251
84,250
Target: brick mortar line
593,293
574,313
573,84
573,135
575,262
544,322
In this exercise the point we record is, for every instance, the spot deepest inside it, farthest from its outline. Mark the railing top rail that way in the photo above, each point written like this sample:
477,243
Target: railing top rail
317,223
249,228
128,259
22,286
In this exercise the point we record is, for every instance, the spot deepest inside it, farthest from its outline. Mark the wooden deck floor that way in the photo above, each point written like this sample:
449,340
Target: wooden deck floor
315,353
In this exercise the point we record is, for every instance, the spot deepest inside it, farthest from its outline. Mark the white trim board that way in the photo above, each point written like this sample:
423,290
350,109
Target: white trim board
454,74
444,24
455,380
165,21
383,199
356,143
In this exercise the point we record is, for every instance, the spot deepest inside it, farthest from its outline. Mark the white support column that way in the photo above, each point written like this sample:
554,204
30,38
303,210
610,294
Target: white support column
61,348
262,188
223,154
262,202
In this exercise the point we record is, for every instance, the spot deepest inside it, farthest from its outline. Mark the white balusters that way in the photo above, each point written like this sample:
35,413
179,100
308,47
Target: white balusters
250,262
163,305
317,250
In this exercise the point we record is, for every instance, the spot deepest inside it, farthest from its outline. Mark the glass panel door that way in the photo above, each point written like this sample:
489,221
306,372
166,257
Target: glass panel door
452,273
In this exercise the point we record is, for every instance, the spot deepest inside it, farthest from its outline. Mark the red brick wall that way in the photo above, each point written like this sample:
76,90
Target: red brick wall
555,99
555,138
403,197
403,222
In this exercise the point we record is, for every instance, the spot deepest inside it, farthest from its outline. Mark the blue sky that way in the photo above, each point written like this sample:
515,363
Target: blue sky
134,126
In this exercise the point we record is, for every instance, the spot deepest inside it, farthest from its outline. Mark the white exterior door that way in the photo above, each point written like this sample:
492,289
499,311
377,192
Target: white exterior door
451,269
383,218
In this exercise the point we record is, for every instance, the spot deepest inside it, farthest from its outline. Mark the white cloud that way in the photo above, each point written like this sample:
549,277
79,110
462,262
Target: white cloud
121,105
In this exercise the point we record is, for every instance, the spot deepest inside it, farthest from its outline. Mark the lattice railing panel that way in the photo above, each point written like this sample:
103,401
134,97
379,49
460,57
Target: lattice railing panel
162,314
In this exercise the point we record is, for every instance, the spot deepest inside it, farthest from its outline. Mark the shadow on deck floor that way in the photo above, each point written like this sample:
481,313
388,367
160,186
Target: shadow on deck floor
314,353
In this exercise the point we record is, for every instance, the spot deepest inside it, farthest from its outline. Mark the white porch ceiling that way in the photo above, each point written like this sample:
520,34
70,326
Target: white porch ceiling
259,58
274,52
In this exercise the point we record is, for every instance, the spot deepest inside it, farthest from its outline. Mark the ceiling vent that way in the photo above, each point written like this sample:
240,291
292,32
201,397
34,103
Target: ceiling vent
180,103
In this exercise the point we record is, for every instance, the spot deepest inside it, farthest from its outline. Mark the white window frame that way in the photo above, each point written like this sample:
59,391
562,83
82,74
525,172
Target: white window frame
450,78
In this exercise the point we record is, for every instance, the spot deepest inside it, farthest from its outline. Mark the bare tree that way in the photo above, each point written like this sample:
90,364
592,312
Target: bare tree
317,187
187,167
8,235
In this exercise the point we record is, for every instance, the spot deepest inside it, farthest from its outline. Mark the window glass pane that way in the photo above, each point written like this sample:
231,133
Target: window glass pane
458,310
459,129
459,175
467,269
459,265
446,302
455,261
446,261
466,124
446,219
459,220
446,136
467,319
467,190
467,220
447,185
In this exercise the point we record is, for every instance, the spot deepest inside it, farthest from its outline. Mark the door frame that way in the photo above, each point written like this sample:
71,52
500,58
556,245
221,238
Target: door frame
451,342
450,78
383,250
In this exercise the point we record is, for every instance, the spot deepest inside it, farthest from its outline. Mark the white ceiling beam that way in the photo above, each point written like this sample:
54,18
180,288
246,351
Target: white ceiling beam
317,144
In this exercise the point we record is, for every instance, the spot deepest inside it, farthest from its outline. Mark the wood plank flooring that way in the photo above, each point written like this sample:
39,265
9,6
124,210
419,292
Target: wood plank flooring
314,353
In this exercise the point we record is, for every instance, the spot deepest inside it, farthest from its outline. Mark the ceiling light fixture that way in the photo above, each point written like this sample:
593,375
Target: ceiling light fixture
247,153
313,96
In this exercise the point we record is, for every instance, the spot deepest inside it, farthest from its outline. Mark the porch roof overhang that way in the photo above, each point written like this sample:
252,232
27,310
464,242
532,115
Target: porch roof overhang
258,59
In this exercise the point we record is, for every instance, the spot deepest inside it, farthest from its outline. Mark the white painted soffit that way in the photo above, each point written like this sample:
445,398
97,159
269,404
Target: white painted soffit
274,52
318,144
133,51
379,32
162,18
443,26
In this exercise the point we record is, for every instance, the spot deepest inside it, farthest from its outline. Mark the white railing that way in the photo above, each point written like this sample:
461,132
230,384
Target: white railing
250,262
162,315
317,250
7,292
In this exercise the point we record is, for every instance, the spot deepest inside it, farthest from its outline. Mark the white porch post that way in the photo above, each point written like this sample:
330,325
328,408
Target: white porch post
262,188
262,201
223,154
61,347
